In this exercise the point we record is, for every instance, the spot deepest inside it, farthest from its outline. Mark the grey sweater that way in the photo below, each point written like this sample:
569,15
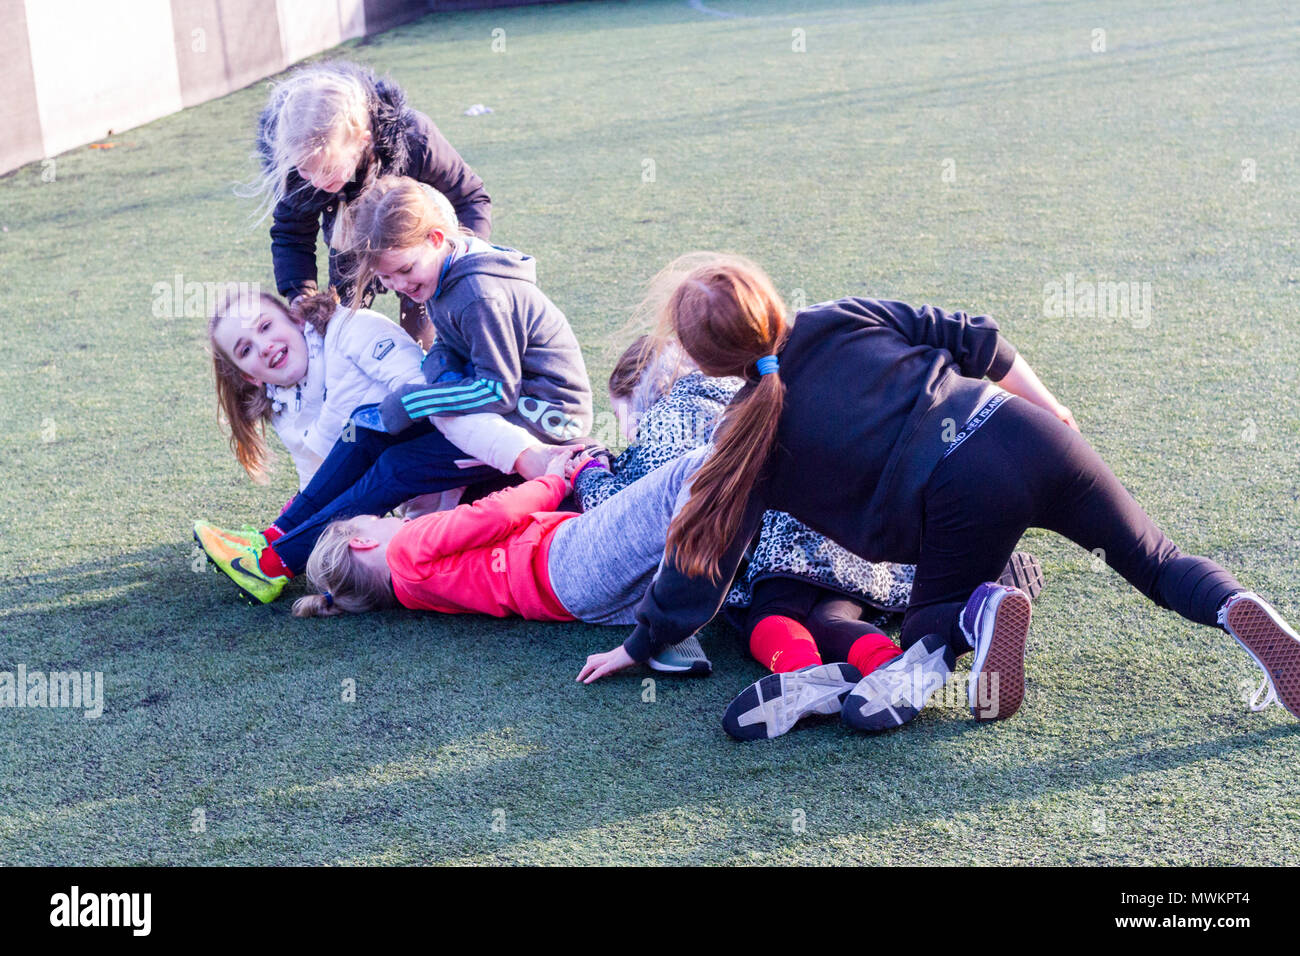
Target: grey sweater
502,347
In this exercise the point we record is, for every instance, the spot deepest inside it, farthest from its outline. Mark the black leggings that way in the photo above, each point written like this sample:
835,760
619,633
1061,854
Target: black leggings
833,620
1024,469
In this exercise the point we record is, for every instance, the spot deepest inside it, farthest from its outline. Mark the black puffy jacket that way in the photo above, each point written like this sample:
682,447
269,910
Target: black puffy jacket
404,142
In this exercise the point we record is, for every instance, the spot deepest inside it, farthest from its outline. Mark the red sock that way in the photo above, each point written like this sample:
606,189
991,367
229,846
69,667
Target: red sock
782,644
870,651
272,534
271,564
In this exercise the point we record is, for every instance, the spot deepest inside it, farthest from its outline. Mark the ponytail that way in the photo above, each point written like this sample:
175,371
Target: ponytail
315,605
727,315
346,585
720,490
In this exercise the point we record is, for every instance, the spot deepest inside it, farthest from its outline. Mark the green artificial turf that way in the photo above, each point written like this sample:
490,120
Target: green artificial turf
962,154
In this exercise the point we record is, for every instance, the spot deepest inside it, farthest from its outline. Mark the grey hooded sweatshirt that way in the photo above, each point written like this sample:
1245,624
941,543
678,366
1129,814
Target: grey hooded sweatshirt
502,347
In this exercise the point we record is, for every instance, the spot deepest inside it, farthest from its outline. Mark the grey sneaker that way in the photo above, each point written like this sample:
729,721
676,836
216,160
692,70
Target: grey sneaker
686,658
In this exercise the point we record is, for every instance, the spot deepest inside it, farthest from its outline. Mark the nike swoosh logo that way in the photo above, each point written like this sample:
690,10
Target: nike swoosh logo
256,576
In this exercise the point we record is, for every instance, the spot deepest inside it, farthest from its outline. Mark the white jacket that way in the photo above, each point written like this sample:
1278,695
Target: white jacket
295,407
364,356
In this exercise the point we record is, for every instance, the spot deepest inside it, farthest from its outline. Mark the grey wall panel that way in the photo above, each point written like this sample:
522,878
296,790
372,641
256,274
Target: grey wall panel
224,45
19,119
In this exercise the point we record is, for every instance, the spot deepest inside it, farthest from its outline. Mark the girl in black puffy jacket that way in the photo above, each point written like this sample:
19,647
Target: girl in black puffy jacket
328,131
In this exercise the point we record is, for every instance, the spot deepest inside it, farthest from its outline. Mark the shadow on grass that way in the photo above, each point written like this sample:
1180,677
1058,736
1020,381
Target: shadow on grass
459,716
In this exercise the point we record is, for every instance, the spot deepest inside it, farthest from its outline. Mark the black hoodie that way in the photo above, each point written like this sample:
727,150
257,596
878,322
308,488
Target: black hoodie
404,143
875,391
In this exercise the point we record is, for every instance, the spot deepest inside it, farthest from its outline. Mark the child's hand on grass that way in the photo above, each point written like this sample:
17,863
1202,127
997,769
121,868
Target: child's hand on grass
600,665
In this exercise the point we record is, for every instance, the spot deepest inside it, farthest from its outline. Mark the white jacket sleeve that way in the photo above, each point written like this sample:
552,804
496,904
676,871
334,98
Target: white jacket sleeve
362,349
489,438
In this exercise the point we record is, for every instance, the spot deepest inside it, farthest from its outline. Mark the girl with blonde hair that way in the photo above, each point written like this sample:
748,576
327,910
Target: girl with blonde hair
328,131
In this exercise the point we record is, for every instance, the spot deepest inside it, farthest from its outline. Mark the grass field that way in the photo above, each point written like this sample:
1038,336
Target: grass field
963,154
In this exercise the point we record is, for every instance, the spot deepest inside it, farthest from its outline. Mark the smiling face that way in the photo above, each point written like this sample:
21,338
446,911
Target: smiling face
414,271
262,341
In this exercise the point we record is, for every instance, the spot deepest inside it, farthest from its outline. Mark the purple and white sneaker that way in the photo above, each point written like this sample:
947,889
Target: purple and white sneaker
996,623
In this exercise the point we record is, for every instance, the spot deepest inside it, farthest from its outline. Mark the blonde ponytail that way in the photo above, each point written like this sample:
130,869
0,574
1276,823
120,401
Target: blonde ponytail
346,585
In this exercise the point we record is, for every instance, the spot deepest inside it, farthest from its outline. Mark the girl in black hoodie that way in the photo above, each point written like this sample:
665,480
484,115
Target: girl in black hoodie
329,130
873,423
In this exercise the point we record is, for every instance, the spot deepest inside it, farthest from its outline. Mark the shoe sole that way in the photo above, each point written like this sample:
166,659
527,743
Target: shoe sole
1271,642
698,665
696,669
1002,666
771,706
1024,571
884,683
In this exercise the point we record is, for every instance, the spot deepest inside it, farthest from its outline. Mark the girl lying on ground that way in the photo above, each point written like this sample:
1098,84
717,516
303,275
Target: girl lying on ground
868,392
511,553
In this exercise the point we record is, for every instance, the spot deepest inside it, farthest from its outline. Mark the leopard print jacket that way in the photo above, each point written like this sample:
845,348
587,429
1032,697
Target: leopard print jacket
682,421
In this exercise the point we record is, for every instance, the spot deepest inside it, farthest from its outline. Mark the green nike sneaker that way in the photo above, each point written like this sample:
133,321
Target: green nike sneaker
247,535
238,561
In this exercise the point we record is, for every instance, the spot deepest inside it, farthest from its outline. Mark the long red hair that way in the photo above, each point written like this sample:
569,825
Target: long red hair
727,315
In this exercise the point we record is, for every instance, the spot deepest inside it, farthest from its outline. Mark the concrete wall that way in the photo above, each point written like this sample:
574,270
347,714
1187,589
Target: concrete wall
74,70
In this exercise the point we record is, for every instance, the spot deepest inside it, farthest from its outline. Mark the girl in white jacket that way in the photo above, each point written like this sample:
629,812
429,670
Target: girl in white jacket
353,359
305,369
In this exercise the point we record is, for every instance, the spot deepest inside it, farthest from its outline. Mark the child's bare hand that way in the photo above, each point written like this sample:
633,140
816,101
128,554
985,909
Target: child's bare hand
560,461
1065,415
533,462
601,665
573,464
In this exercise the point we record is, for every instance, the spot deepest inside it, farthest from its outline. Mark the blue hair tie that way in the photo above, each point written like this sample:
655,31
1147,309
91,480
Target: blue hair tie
767,364
329,599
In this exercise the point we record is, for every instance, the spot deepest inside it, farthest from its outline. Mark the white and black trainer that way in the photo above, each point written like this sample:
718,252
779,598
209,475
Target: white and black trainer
771,706
895,692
